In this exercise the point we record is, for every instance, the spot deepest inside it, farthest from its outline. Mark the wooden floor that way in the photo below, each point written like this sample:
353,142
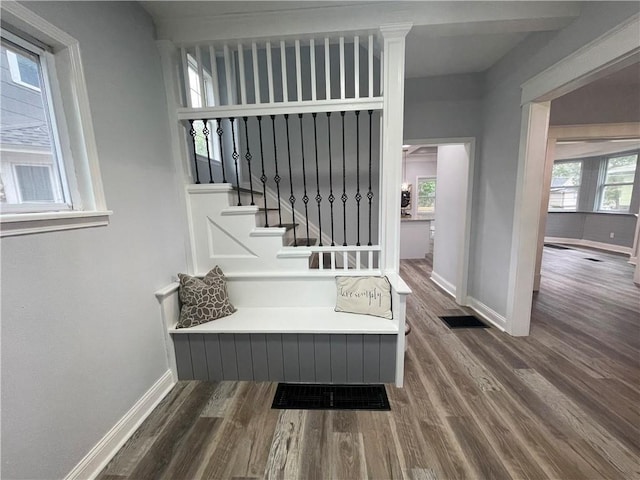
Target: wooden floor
562,403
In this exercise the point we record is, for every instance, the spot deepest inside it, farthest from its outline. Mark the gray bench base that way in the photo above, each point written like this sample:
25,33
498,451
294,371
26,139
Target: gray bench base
288,357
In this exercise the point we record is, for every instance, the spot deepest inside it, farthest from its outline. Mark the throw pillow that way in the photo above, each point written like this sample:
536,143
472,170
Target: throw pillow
365,295
203,300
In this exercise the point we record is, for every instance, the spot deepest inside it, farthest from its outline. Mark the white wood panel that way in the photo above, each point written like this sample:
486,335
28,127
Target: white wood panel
327,69
312,61
243,81
356,65
227,73
298,72
342,68
270,72
256,72
294,320
283,64
200,76
214,75
185,76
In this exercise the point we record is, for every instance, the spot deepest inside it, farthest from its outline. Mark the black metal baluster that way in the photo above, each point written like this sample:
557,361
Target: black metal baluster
292,198
305,197
193,134
248,157
277,177
263,177
344,185
206,132
370,192
331,196
318,197
220,132
235,157
358,196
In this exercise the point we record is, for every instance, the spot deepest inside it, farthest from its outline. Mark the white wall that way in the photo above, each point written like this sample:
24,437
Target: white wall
496,168
453,163
81,333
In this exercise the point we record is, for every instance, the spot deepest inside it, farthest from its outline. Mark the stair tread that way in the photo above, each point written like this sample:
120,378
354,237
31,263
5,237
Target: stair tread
302,242
246,190
262,209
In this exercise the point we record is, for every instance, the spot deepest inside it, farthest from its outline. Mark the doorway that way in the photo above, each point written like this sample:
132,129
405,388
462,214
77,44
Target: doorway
609,54
438,173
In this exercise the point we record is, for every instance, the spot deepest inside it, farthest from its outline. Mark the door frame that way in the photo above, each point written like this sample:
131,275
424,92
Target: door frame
462,276
616,49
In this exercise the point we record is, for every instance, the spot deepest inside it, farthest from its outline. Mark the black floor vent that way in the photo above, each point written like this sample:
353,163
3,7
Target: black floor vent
557,247
592,259
302,396
463,321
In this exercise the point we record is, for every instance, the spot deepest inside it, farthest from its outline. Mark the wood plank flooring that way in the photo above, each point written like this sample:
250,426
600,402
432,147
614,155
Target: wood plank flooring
562,403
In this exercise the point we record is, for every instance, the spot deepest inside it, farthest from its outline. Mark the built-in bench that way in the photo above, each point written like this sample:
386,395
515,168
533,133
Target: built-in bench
286,329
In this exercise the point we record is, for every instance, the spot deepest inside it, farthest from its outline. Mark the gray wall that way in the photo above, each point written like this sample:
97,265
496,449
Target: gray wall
82,339
443,107
595,227
496,167
587,224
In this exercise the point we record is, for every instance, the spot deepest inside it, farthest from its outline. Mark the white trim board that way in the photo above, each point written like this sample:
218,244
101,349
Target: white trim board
102,453
581,242
445,285
607,53
487,313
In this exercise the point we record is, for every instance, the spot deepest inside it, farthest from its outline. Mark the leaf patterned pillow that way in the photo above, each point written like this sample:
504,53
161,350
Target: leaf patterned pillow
203,300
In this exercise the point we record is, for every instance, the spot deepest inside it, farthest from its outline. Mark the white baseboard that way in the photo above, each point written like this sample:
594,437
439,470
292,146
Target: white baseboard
589,243
93,463
487,313
447,286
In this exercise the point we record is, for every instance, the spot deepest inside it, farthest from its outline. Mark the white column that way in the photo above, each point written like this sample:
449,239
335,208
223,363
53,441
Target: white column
529,187
392,137
170,58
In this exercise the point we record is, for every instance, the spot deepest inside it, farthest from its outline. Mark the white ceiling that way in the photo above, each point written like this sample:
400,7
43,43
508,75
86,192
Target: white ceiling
450,46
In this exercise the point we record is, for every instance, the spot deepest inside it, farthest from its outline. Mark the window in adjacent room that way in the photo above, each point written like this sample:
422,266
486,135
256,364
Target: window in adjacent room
616,189
200,99
32,176
565,186
426,193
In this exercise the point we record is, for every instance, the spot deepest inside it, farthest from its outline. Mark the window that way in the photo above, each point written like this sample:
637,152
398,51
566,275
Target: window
34,183
49,172
28,134
24,71
617,188
565,186
426,193
201,99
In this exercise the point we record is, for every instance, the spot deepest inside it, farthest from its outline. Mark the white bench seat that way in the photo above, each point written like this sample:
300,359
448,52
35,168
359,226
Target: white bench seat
319,320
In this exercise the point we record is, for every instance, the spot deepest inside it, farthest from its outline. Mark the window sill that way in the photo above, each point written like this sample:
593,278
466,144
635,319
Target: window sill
28,223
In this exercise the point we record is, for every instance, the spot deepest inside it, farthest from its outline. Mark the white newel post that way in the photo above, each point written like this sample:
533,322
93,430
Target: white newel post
169,57
392,138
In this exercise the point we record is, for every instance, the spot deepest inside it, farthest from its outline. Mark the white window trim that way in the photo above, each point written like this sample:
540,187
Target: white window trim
14,69
75,127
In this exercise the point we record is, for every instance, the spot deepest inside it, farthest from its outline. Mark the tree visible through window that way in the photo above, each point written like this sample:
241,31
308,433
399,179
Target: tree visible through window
617,188
565,185
426,193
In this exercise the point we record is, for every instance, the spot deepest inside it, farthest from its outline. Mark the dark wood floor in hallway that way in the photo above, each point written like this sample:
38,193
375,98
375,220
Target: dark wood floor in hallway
562,403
